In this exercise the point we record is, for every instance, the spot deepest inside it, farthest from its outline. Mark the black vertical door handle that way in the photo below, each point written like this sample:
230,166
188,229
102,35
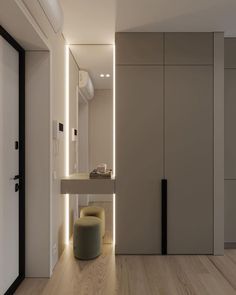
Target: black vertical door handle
164,216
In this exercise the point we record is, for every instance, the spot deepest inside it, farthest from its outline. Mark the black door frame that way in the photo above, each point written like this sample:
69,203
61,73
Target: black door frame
21,51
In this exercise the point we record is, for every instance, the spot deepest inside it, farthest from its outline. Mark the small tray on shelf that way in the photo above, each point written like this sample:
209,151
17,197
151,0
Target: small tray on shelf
98,175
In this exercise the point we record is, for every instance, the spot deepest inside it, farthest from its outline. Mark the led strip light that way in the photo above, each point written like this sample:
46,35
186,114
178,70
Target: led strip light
114,141
67,104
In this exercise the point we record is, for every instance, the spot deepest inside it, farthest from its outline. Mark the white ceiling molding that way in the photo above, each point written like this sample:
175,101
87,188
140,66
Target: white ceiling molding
54,13
18,21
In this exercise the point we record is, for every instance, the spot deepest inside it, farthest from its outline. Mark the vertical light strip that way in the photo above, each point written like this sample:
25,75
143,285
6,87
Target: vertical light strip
67,104
114,141
114,111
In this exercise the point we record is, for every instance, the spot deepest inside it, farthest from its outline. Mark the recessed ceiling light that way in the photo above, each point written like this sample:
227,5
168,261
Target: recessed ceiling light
102,75
107,75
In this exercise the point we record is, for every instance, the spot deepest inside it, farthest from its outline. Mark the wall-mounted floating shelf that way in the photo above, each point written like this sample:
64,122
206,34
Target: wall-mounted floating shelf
81,184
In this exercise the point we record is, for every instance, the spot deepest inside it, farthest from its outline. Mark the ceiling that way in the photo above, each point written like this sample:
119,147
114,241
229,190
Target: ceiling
180,16
89,21
20,29
96,60
95,22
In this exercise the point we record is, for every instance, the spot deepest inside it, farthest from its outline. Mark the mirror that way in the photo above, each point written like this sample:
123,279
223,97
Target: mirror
95,120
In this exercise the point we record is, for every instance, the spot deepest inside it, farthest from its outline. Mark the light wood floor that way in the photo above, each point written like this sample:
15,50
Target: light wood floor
151,275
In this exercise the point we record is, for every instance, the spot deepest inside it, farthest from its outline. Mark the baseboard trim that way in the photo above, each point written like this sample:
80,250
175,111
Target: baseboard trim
230,245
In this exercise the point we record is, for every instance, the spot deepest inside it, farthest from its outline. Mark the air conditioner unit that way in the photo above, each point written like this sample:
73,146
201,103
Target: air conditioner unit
86,89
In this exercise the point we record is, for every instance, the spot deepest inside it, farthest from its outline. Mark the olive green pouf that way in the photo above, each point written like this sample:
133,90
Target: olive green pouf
87,240
94,211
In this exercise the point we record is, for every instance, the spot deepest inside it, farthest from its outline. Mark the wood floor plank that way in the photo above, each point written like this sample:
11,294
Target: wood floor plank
131,275
159,275
211,279
137,275
32,286
226,265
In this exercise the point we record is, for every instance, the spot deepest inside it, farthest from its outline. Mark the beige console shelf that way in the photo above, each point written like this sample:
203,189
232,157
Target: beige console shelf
81,184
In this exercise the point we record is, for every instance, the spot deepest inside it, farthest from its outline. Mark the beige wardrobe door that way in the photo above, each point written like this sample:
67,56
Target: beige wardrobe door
189,158
139,48
230,218
139,158
230,121
189,48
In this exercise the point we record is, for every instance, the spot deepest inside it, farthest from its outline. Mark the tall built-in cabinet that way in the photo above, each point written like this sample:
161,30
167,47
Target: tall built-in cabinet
165,130
230,142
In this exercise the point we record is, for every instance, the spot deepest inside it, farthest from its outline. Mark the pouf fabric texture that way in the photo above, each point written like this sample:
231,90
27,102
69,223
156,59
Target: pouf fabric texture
95,211
87,239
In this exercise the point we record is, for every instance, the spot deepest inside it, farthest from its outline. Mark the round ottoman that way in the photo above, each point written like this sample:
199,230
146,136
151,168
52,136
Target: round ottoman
87,240
94,211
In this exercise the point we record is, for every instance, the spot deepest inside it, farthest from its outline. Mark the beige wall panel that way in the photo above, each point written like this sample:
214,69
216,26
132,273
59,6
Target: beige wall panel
188,48
139,159
189,158
230,216
230,52
139,48
219,143
230,123
37,164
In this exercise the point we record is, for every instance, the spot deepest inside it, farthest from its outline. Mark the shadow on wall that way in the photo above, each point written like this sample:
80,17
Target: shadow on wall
61,238
71,221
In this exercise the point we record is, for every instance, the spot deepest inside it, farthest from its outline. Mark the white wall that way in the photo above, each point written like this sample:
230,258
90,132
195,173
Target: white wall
37,146
57,111
45,164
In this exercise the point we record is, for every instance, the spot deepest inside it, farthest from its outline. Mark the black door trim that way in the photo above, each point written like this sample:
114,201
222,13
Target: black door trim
164,216
21,51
